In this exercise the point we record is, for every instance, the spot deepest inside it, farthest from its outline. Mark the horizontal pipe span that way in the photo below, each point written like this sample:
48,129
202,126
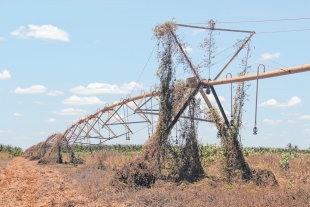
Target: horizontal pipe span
275,73
219,29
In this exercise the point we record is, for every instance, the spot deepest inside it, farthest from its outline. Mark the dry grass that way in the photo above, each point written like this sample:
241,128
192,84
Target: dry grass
211,191
5,155
92,184
5,158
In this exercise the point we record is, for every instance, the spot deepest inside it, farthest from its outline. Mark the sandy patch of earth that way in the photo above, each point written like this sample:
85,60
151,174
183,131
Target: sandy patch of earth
25,183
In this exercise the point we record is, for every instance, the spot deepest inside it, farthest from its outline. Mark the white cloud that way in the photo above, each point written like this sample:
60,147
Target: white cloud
271,102
294,101
307,130
197,31
70,112
5,74
212,99
55,93
80,101
104,88
227,112
290,121
34,89
42,133
117,118
130,86
188,49
304,117
97,88
270,121
267,56
2,39
41,32
51,120
132,105
17,114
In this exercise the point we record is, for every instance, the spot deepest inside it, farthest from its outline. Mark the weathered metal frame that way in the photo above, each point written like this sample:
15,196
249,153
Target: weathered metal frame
77,132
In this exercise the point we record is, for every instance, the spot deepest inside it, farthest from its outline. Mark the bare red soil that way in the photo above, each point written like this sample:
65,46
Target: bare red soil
26,183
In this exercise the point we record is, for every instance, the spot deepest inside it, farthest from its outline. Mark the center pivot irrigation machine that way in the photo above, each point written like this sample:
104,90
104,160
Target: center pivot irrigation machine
140,113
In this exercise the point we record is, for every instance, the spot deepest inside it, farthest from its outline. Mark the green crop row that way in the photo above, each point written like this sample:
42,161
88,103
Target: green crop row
125,149
14,151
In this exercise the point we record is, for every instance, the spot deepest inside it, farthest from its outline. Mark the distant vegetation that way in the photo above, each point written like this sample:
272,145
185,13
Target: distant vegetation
122,148
204,148
10,151
209,153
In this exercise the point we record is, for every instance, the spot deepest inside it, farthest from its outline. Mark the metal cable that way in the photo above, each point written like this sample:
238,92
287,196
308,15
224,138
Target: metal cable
257,21
293,30
144,67
271,60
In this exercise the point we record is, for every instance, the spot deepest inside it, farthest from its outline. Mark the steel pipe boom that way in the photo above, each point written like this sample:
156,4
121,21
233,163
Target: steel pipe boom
275,73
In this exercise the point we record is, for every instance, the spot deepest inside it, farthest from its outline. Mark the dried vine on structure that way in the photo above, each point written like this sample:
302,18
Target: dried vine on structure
188,164
210,47
234,161
166,74
145,169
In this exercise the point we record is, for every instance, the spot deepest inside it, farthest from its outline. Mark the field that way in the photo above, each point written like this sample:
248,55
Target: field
27,183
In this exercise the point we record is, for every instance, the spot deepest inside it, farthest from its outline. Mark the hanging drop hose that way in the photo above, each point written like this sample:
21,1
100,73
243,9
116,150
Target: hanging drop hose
128,136
125,117
148,123
176,133
152,110
231,106
255,123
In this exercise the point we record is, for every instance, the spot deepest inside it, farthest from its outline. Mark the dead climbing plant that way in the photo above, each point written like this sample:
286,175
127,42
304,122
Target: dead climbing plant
50,151
160,157
187,163
144,170
234,163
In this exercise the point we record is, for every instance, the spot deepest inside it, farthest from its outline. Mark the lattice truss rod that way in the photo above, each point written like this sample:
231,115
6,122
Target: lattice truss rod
119,120
122,118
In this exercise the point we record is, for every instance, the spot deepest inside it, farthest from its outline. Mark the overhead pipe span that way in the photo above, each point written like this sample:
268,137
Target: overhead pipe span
270,74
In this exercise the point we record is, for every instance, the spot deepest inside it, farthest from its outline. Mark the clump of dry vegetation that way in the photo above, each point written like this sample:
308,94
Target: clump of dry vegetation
160,159
50,151
98,186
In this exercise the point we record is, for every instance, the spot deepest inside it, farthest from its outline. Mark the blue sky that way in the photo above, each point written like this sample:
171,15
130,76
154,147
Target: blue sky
54,53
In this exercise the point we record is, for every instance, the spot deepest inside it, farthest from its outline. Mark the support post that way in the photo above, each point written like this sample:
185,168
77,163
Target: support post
220,106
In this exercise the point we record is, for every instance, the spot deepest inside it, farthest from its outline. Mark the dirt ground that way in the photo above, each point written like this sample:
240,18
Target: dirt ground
27,183
24,183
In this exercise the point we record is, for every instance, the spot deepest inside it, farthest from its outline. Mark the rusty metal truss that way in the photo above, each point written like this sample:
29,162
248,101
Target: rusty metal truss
133,114
117,120
122,118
